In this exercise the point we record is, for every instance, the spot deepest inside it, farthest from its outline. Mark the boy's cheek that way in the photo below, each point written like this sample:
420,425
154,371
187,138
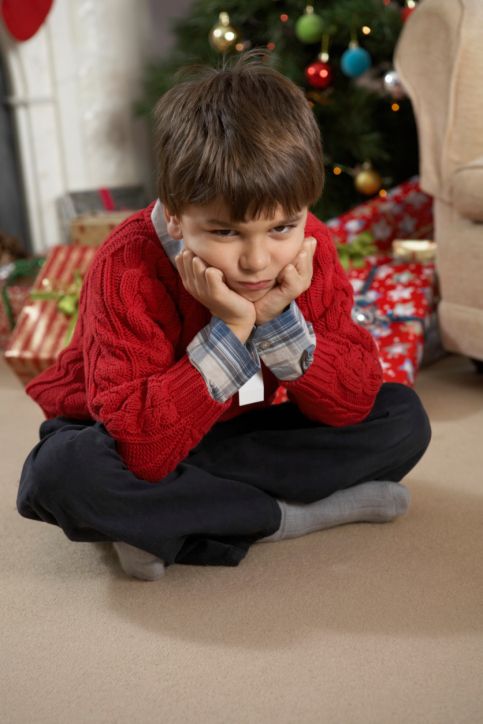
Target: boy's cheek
293,257
193,248
299,248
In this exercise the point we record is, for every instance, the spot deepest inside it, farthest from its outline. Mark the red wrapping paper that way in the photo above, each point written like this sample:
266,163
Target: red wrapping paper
405,213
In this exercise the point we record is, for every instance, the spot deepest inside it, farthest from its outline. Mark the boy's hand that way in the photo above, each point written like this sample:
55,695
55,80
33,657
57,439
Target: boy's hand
294,279
206,284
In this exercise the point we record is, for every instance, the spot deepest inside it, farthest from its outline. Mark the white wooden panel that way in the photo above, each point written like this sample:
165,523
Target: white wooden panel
74,84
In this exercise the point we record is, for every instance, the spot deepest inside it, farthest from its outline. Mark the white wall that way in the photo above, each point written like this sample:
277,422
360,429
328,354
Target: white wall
73,86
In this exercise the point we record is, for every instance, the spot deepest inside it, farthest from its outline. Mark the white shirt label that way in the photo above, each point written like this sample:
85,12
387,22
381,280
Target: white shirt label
252,390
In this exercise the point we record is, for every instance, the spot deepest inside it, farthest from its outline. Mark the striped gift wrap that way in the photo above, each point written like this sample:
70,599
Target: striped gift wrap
39,335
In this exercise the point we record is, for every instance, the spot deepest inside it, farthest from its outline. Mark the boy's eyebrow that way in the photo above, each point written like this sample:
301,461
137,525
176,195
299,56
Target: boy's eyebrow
287,220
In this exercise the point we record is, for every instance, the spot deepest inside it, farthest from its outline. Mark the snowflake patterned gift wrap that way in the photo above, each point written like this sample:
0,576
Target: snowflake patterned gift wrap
405,212
396,303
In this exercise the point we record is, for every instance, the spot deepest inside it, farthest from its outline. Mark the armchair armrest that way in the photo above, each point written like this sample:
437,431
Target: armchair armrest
467,185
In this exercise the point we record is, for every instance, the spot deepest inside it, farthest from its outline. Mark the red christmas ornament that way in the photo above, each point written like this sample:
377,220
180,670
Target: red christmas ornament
318,74
24,18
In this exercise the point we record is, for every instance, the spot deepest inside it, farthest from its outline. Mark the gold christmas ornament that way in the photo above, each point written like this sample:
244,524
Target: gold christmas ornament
367,181
223,35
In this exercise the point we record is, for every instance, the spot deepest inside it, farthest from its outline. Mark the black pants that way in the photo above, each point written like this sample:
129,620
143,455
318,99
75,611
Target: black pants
222,497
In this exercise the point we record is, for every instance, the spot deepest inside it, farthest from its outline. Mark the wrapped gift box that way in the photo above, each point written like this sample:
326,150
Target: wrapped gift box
405,212
398,289
93,229
16,280
403,296
396,302
85,203
40,332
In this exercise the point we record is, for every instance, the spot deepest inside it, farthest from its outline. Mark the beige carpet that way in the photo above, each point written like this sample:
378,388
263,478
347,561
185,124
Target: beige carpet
359,624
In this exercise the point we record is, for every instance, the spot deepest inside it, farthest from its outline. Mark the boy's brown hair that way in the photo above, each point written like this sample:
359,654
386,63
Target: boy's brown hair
244,134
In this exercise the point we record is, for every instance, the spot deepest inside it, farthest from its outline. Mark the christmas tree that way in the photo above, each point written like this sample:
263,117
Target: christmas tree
340,52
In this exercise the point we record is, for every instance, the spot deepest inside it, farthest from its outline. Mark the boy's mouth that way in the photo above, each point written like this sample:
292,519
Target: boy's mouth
256,285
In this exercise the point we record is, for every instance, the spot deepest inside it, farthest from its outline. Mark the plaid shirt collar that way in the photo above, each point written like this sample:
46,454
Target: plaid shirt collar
171,246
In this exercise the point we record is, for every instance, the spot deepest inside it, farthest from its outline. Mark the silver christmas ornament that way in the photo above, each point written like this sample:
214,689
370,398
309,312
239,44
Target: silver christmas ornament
393,85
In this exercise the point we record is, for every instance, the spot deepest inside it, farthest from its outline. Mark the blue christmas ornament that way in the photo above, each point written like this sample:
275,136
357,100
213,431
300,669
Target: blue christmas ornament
355,61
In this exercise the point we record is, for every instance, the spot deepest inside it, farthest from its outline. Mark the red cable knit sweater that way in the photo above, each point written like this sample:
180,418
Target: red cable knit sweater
127,364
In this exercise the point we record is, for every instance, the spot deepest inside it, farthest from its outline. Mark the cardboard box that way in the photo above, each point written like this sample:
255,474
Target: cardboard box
93,229
91,201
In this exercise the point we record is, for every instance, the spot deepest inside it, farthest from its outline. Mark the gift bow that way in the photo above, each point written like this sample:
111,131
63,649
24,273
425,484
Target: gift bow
355,252
67,301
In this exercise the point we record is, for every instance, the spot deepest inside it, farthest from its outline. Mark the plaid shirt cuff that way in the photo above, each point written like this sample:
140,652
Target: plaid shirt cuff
224,362
286,344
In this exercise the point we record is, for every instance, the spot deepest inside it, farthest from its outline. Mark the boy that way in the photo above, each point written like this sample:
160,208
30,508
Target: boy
160,434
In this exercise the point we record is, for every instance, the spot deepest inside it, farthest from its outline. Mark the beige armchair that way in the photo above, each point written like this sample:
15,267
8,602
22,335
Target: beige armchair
439,58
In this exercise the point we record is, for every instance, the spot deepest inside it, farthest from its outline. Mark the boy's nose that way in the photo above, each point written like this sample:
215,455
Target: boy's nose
254,258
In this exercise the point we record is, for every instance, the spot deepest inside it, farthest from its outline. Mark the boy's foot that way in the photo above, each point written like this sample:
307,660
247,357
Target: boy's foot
377,501
138,563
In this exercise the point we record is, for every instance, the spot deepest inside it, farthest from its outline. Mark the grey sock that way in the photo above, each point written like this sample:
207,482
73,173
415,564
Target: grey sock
138,563
377,501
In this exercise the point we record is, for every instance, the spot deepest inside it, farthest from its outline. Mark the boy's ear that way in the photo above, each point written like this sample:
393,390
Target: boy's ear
173,226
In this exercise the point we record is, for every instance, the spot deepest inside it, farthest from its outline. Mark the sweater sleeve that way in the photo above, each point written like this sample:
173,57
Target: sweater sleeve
155,406
340,386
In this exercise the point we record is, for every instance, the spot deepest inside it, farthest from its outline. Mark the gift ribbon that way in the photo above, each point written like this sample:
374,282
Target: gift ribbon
107,200
354,253
368,280
361,307
16,270
67,301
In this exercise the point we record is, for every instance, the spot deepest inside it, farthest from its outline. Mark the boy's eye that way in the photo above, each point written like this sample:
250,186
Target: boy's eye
221,232
277,229
285,226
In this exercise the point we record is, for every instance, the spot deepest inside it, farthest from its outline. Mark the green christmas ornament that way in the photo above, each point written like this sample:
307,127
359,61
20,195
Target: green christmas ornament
309,26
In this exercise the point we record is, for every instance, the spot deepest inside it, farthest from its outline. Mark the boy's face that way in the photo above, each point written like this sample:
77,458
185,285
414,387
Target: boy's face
255,251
